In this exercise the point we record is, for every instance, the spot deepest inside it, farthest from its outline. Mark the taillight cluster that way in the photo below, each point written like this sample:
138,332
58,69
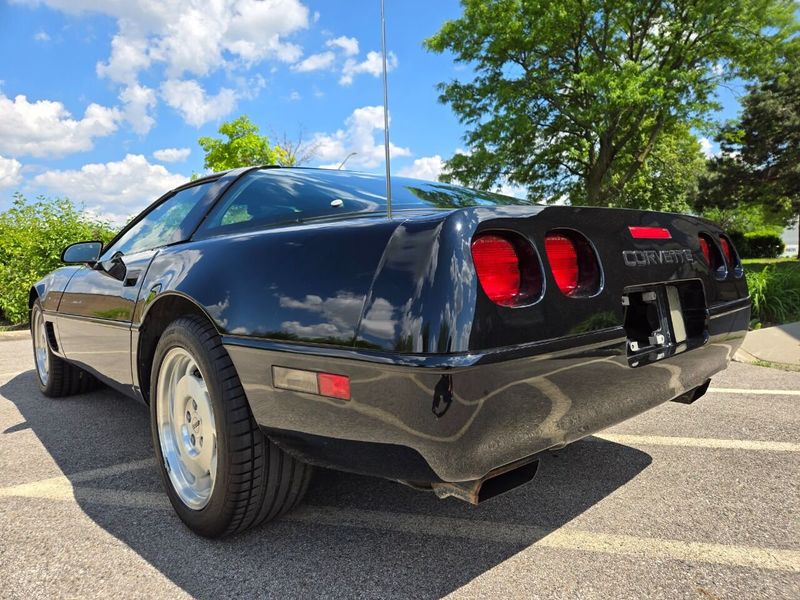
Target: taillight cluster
510,271
721,258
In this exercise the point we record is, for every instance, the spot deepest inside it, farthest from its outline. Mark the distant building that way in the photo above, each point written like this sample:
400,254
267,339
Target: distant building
790,239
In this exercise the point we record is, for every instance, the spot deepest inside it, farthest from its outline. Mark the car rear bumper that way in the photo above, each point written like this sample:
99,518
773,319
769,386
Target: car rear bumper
456,418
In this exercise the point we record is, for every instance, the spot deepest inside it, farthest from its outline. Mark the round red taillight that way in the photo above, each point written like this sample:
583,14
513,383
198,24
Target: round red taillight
563,257
726,250
706,249
497,264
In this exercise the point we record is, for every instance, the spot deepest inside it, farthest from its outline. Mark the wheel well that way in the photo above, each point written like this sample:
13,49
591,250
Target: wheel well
32,296
158,317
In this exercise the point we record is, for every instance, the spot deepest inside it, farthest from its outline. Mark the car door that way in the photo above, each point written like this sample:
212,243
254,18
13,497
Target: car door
96,309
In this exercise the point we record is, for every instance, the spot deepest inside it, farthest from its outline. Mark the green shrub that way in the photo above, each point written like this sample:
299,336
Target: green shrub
763,243
775,293
760,243
32,237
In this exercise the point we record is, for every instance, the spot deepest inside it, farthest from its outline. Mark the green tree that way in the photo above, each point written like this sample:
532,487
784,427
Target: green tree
669,177
34,234
243,146
572,96
759,165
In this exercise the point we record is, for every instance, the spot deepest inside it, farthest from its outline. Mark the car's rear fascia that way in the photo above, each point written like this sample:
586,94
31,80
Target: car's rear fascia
457,417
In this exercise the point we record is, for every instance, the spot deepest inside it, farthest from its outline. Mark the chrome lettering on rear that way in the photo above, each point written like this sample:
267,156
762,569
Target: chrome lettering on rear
643,258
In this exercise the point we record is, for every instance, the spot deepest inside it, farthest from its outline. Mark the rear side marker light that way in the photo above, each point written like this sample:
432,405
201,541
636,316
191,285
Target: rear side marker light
334,386
650,233
312,382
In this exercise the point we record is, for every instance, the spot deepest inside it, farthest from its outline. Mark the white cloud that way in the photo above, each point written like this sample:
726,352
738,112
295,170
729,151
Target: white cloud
45,128
112,190
706,147
295,96
426,167
373,65
9,172
348,45
359,136
315,62
194,35
129,55
189,39
41,36
195,106
138,101
172,154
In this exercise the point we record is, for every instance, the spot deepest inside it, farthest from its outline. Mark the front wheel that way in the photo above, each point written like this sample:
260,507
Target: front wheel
55,376
222,475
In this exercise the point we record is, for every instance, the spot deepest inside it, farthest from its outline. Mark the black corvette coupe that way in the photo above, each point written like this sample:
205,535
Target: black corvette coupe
275,319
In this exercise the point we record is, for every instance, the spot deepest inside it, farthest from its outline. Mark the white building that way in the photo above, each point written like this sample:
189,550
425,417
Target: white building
790,239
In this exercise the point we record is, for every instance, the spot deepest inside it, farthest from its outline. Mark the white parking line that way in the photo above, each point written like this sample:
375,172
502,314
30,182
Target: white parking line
61,487
755,392
564,538
656,440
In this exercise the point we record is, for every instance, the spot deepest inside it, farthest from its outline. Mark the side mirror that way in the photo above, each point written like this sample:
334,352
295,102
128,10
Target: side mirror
82,253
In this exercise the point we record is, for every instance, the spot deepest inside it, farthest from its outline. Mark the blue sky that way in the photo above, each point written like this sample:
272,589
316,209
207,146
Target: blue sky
103,100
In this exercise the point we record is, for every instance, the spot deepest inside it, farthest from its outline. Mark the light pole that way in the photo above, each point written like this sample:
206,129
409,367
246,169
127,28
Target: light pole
346,158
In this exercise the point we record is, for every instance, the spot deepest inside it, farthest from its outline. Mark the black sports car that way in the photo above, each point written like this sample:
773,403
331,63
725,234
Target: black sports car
275,319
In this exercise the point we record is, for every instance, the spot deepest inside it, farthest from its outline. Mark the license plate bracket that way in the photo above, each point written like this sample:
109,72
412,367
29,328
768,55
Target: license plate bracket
664,319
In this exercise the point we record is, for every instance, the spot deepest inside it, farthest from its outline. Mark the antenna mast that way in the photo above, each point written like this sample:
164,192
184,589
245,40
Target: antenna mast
386,115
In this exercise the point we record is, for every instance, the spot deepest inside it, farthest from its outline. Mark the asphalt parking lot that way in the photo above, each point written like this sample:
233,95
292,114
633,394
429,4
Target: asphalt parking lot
698,501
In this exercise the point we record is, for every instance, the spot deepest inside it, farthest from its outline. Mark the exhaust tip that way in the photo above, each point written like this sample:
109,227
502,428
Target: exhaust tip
504,482
494,484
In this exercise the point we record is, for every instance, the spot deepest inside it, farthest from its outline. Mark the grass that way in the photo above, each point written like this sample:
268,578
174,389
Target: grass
760,263
774,286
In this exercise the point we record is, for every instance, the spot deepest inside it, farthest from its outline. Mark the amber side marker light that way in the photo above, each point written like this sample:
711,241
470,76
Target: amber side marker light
312,382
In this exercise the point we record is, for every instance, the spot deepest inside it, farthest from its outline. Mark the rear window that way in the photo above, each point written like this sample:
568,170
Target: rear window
284,196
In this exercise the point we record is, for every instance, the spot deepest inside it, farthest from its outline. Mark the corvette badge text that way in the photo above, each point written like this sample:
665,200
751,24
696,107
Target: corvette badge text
642,258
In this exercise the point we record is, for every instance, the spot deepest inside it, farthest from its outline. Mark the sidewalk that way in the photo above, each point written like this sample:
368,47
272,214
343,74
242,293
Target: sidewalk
779,344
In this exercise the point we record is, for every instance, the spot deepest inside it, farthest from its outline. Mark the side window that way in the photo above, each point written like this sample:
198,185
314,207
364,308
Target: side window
162,225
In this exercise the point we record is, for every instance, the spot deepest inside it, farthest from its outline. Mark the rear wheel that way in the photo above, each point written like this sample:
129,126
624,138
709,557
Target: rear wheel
222,475
56,377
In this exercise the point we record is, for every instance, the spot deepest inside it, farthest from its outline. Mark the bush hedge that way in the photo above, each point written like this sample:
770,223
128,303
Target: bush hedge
32,237
762,243
775,292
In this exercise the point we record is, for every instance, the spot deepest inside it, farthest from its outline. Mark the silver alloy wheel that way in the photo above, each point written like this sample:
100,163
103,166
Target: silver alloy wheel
186,428
40,346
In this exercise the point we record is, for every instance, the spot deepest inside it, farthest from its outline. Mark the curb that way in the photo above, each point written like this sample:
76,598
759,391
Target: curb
8,336
743,356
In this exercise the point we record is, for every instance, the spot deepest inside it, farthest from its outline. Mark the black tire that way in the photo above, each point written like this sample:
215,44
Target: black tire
61,378
255,480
